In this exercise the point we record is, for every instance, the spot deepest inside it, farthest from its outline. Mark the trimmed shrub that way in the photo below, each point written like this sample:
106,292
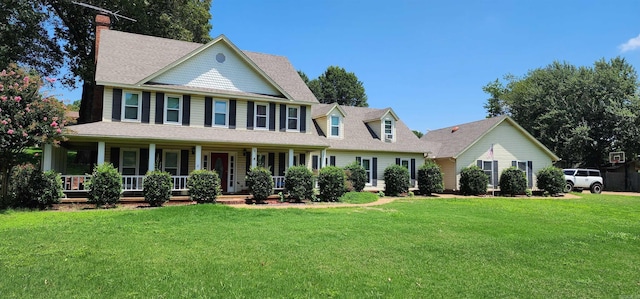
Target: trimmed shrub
49,188
473,181
260,183
298,182
550,179
331,182
20,187
32,188
513,181
396,180
430,178
105,185
356,177
157,187
204,186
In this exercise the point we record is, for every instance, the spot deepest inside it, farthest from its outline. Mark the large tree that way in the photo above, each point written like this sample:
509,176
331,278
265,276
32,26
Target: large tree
27,119
336,85
580,113
74,35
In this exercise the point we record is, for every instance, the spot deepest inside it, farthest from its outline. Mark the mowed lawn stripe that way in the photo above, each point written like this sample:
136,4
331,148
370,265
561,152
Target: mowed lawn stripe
414,247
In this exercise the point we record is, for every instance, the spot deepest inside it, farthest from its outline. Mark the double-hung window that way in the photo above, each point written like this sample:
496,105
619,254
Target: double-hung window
388,130
172,106
261,116
487,167
293,118
132,109
335,125
171,162
220,113
129,162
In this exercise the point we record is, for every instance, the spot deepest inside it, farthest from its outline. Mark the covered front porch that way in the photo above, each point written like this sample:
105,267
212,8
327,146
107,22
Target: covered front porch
134,159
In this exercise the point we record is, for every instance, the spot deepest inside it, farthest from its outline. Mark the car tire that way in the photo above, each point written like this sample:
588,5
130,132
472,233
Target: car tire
568,187
596,188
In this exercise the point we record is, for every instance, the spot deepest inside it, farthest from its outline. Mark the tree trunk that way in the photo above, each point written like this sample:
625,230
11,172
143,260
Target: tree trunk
4,185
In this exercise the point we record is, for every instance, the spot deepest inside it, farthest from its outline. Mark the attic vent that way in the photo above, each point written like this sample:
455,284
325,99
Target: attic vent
220,58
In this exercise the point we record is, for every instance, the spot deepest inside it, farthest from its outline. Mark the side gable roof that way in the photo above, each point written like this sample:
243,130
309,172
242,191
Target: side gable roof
321,110
379,114
455,140
359,137
132,59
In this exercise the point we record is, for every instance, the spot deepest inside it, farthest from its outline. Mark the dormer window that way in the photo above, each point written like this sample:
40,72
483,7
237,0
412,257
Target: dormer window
335,126
131,111
293,118
172,106
388,130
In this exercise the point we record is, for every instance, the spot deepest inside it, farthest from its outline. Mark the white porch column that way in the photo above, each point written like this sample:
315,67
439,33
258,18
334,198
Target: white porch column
290,157
323,158
198,157
101,150
152,157
254,157
47,157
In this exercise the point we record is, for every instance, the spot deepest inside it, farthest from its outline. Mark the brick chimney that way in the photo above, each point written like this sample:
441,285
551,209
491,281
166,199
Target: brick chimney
102,22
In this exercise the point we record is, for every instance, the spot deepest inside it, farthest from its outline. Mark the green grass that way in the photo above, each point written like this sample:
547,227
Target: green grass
412,248
359,197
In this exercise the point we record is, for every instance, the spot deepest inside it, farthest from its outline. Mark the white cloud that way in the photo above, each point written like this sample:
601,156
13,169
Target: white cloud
631,44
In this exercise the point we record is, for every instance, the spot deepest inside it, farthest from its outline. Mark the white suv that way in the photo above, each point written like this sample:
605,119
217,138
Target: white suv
583,179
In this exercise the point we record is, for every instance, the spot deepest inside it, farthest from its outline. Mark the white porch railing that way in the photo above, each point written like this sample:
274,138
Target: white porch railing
278,182
76,183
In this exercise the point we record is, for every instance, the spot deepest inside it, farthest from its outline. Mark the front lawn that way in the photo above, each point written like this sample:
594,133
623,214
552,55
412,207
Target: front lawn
412,248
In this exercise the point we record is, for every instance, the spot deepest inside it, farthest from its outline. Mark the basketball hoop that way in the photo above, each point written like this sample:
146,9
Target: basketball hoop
616,157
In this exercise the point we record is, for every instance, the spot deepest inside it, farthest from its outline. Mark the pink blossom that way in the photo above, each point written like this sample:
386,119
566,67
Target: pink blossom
3,98
24,134
10,132
27,109
4,122
17,98
54,124
50,80
58,131
45,118
26,80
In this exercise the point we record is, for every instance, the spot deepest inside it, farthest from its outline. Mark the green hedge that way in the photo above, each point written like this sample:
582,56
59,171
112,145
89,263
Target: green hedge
356,177
473,181
204,186
396,180
298,182
331,183
105,185
551,180
260,183
32,188
157,187
430,178
513,181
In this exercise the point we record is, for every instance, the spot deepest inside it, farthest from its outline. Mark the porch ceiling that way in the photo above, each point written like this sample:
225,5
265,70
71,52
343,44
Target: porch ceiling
103,131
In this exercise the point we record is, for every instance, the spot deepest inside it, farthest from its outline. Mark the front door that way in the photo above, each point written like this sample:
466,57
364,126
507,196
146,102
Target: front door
219,163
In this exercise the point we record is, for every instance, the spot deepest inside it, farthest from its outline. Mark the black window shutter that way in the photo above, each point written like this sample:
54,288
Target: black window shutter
144,161
374,171
359,160
514,163
332,160
272,116
302,159
283,117
184,162
159,108
248,162
397,161
232,114
115,157
116,110
281,164
413,170
146,105
250,111
314,161
272,163
495,174
530,173
208,110
186,109
479,163
303,119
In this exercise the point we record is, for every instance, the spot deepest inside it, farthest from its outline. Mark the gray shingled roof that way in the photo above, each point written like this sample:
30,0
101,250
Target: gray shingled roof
357,135
127,58
447,142
209,135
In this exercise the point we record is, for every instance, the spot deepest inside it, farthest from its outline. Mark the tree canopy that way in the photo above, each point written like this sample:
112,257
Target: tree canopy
580,113
71,36
336,85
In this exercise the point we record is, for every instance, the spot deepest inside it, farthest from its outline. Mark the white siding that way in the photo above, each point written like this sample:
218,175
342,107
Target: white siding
204,71
197,111
509,144
107,104
375,127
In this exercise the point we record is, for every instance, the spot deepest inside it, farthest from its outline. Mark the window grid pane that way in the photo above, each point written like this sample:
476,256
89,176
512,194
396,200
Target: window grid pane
131,99
173,103
172,115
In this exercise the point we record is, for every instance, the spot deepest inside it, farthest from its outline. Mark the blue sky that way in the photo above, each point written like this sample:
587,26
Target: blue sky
428,60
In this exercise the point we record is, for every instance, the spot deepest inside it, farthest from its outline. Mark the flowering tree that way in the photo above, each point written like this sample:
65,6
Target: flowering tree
27,118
